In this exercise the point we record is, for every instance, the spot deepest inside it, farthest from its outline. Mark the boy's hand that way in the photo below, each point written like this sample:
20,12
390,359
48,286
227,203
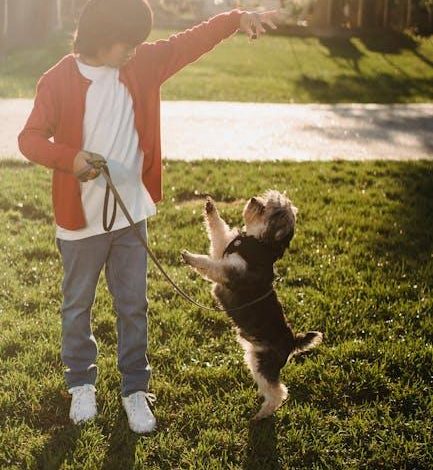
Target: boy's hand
82,169
251,22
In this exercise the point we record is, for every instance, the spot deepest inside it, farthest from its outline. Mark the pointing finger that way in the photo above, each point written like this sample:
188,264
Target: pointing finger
249,31
259,27
269,23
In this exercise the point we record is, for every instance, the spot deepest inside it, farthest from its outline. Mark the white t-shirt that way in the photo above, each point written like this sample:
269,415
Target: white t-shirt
109,129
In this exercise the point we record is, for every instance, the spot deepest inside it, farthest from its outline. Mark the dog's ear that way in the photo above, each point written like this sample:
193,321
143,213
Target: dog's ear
281,242
279,226
285,237
282,223
283,233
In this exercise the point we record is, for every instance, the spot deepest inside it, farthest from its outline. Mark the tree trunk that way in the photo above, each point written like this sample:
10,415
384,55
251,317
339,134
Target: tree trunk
5,25
58,20
385,13
360,13
409,13
329,13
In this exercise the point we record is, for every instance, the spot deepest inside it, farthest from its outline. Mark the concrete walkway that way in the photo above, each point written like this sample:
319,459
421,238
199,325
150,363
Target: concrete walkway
262,131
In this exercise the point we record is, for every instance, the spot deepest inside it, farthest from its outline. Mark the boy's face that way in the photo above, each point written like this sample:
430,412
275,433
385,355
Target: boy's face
117,55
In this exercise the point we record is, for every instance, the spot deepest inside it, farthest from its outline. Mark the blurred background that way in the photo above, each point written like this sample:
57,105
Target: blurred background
26,22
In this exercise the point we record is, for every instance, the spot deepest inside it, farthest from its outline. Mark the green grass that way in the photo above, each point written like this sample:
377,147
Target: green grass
384,69
360,269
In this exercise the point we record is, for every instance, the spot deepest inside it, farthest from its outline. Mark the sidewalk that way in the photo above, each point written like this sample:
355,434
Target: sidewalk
262,131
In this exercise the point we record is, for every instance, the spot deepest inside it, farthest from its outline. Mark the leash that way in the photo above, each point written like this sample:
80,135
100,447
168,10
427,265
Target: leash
101,164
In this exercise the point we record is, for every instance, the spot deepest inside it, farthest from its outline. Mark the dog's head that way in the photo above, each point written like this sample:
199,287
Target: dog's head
271,218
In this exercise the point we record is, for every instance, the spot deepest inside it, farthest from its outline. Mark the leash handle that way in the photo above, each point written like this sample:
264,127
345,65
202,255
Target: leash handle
108,227
97,162
94,161
105,173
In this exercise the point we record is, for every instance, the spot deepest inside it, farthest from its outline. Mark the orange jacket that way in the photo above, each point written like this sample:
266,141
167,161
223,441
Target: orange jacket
59,105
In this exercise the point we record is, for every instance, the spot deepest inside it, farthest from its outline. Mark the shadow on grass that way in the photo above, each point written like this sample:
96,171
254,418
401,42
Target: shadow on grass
410,242
64,436
15,163
28,210
262,449
121,443
53,419
59,448
380,88
343,48
394,43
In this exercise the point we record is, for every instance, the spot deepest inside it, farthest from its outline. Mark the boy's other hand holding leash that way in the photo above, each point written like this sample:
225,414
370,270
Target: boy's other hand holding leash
251,23
87,165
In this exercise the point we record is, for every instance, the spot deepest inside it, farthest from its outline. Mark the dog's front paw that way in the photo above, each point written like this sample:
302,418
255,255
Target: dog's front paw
210,205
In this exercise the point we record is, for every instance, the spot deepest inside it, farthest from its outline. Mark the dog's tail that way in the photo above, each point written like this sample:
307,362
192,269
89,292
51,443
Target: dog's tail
306,341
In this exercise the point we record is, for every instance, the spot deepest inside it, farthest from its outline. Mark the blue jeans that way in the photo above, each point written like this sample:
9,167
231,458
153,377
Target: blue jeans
125,261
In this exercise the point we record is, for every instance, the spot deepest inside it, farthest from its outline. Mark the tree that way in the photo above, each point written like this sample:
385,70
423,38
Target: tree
4,23
4,30
428,4
408,13
28,21
385,13
59,20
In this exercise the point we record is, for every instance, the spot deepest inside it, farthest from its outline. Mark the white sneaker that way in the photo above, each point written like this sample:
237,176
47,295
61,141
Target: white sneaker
83,404
140,416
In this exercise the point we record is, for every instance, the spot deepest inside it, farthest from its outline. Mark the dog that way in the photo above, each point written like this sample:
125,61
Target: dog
240,265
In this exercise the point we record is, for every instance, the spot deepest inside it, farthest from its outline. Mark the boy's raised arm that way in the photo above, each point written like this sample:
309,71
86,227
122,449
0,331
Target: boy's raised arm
167,56
40,126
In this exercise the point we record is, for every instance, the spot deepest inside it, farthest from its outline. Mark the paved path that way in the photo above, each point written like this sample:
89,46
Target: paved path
250,131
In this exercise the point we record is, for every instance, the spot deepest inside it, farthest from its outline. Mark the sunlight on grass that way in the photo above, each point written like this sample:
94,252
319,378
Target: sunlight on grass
384,68
360,269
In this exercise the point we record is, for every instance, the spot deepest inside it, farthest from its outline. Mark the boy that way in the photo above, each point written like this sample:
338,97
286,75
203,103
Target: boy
104,98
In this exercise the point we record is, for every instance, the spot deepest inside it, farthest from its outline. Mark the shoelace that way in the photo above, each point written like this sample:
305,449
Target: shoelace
151,397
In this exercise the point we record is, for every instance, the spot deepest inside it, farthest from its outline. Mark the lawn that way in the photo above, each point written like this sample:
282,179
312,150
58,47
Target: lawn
386,68
360,269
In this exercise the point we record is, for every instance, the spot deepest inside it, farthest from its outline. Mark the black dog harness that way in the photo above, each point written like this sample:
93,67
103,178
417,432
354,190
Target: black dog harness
254,252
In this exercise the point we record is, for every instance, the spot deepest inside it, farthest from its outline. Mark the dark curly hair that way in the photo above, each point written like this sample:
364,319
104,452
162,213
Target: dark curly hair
103,23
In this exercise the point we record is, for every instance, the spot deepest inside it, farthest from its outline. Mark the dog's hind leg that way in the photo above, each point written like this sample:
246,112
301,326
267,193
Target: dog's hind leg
265,367
274,394
268,381
219,233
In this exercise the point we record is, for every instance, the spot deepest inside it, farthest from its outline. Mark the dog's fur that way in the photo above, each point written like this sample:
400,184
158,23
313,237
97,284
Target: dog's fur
241,268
